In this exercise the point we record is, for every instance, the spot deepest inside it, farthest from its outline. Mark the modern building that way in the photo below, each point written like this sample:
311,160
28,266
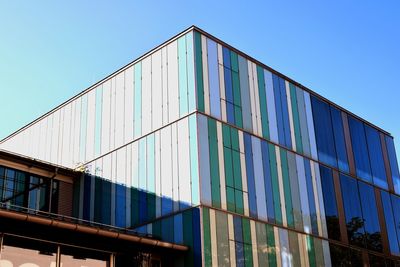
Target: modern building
196,154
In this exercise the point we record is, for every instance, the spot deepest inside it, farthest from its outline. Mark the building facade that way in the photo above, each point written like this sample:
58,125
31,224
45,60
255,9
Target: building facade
198,144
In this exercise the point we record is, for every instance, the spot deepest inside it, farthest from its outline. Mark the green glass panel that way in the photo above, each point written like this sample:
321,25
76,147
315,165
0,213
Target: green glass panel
319,252
207,238
230,199
156,228
188,236
239,201
294,248
228,167
221,220
190,71
271,246
275,184
182,73
248,255
134,206
226,135
237,170
286,188
263,102
234,62
238,116
296,118
262,245
214,161
311,252
235,139
199,71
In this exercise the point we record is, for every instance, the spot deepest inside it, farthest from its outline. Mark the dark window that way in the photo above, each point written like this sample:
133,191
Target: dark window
344,256
352,210
324,132
390,223
360,150
393,163
396,213
340,143
370,215
376,157
331,213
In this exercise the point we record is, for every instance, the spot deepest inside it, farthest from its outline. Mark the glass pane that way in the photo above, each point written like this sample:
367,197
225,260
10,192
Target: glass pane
352,210
324,132
359,143
370,214
75,257
393,163
26,252
376,157
390,223
340,143
331,212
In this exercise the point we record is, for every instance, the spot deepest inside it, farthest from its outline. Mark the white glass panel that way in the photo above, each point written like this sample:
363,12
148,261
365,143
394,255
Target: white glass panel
135,165
175,169
173,81
303,194
213,77
121,166
146,95
112,113
310,124
91,119
106,118
54,141
183,162
76,134
166,166
119,109
164,71
269,91
128,105
156,83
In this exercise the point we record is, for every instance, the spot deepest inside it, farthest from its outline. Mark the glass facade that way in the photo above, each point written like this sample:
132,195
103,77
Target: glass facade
195,143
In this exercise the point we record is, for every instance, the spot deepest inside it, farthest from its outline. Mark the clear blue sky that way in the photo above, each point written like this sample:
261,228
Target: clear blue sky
347,51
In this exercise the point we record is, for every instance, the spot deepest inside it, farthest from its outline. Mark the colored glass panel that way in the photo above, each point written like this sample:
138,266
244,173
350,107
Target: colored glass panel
199,71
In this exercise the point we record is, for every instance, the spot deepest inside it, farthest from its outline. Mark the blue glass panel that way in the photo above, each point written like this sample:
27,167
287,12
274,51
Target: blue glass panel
331,212
178,226
278,107
268,181
142,206
390,225
324,132
352,210
360,151
237,228
239,248
120,213
106,202
310,194
394,167
370,214
230,112
376,157
250,175
396,213
226,55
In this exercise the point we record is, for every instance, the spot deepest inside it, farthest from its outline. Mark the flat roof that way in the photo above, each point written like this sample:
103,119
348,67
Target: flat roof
191,28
